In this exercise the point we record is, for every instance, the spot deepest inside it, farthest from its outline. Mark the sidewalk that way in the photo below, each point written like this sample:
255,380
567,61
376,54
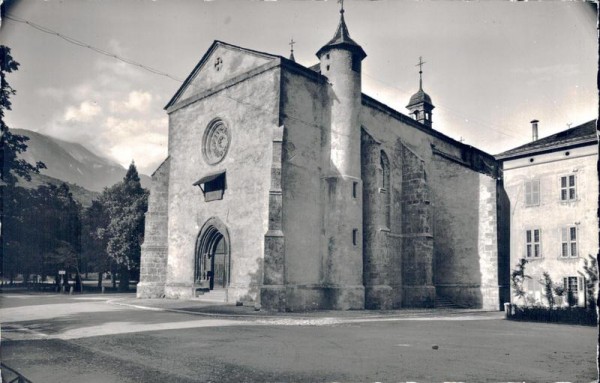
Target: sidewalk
225,310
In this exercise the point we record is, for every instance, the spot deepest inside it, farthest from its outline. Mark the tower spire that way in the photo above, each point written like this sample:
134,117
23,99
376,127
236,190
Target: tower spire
420,104
420,65
341,38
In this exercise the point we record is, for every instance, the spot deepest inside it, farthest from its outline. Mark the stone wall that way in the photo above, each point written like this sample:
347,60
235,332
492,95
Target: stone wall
417,249
153,263
462,193
465,226
382,244
303,112
249,108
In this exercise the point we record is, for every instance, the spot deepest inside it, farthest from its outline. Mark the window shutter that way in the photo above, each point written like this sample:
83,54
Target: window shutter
581,293
528,193
535,192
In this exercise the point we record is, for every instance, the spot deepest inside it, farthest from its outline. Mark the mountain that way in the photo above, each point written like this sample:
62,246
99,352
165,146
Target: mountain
81,195
73,163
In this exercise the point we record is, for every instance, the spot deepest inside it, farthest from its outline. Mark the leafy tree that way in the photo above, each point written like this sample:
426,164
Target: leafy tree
42,231
126,204
517,277
548,289
94,222
10,146
591,280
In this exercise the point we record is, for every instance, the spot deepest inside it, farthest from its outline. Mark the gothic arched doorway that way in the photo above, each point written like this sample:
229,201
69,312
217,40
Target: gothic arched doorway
212,263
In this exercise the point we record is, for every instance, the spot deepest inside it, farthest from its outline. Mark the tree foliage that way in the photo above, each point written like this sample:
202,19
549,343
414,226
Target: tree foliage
518,277
41,231
11,145
548,289
590,268
125,204
94,221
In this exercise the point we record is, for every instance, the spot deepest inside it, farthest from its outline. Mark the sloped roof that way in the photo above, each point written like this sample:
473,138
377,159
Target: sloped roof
419,97
580,134
341,39
198,66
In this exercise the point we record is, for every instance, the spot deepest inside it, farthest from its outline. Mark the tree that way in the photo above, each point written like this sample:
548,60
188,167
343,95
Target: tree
11,145
41,231
93,253
591,280
548,289
126,204
517,277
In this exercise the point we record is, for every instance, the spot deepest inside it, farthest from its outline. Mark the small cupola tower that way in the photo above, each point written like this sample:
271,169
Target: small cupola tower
420,105
340,61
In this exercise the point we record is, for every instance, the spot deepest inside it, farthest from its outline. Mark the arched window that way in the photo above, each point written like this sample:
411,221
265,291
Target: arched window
385,189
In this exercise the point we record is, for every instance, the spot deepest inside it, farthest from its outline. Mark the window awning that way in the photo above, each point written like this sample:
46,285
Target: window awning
208,178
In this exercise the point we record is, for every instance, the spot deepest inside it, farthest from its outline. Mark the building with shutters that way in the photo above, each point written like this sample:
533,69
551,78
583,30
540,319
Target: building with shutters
552,186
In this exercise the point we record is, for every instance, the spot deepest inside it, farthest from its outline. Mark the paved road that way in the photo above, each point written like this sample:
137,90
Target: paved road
105,338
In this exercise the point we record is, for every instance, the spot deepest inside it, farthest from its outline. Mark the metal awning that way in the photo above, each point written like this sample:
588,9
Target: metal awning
209,177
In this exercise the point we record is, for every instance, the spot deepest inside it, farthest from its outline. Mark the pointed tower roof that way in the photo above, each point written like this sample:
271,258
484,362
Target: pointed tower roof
341,39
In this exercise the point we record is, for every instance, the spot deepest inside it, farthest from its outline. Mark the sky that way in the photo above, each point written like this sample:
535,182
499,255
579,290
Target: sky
490,67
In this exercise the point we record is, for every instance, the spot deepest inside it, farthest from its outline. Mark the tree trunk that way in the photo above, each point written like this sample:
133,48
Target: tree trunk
113,275
100,279
123,278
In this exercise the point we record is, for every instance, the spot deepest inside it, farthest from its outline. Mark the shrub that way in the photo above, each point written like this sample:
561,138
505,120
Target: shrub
569,315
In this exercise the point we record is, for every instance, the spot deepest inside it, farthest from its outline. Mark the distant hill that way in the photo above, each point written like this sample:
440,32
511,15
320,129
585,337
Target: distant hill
73,163
81,195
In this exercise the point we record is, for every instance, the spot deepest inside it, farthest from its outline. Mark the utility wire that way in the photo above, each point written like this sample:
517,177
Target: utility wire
85,45
161,73
457,113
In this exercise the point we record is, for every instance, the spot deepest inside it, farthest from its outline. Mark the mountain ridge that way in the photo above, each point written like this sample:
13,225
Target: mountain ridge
72,162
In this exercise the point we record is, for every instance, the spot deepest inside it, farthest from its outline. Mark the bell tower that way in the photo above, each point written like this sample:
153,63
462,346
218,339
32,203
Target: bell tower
420,105
340,61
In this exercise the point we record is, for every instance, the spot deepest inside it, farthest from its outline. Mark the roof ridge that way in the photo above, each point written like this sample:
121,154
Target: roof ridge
580,133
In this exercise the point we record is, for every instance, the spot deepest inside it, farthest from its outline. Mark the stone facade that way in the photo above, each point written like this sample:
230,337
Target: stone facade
324,197
154,249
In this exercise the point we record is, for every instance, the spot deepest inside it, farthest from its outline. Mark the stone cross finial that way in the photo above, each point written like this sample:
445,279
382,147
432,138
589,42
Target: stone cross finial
292,42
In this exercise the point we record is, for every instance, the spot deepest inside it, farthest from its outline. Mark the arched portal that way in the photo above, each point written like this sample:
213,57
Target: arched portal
212,261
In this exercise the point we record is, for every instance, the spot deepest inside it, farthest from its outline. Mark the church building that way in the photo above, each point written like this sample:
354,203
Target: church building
287,187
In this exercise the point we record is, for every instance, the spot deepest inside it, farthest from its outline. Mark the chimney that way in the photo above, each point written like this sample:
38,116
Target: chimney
534,130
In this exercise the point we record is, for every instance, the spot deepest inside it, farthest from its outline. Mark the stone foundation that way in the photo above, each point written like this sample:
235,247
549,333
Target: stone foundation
419,296
179,291
150,290
379,297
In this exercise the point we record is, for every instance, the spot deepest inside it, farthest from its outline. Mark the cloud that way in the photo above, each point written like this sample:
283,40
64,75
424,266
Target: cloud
144,141
51,93
115,111
84,112
136,101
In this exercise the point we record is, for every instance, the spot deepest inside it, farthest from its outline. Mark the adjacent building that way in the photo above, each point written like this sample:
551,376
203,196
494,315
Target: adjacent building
288,187
552,186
